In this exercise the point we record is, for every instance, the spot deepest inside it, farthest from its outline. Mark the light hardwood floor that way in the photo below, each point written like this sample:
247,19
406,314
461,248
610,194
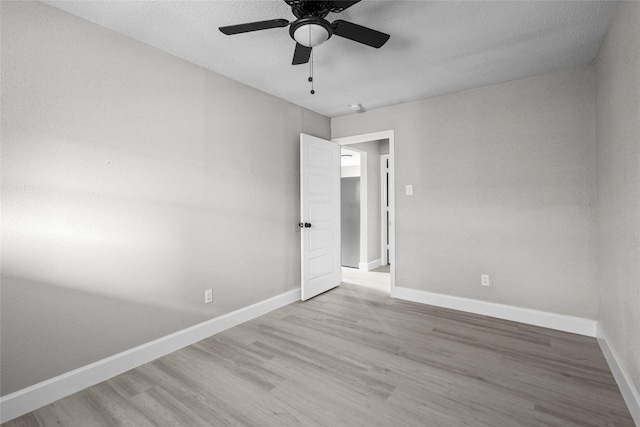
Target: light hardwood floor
355,357
376,279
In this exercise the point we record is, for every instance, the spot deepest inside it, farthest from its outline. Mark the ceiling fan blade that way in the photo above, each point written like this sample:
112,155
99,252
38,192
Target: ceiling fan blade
254,26
359,34
301,54
337,6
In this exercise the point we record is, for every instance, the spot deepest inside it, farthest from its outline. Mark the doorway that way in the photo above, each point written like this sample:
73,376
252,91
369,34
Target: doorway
385,216
377,238
350,207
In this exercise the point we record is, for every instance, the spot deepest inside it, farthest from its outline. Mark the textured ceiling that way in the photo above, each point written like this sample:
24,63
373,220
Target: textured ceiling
435,47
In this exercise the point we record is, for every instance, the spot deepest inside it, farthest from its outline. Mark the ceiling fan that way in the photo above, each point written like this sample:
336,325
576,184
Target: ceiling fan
310,29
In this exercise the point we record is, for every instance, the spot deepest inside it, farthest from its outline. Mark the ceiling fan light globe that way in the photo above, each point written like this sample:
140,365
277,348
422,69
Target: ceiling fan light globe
311,35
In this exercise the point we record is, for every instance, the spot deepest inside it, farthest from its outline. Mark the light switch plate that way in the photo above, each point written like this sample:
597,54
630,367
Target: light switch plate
409,190
484,280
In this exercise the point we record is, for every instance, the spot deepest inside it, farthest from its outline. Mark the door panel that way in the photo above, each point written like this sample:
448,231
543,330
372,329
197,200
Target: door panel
320,267
320,207
320,239
319,184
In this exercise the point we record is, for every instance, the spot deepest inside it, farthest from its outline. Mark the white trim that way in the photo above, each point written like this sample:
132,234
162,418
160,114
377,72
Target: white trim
383,209
374,136
627,388
560,322
368,266
31,398
364,206
390,135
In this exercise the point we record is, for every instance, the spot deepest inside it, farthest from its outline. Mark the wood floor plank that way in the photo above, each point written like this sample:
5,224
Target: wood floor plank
163,408
355,357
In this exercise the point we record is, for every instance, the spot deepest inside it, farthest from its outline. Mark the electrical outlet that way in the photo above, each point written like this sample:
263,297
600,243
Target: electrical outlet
484,280
208,296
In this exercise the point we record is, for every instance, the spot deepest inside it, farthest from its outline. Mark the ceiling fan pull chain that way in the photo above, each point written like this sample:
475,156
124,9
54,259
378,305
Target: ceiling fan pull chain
311,66
311,76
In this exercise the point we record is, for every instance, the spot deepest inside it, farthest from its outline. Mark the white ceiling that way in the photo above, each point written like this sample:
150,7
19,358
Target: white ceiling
435,47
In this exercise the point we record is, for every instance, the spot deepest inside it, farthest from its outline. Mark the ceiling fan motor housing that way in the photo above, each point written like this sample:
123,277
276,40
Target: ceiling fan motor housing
310,31
306,8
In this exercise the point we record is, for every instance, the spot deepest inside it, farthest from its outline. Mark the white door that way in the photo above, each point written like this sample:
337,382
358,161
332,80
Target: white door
319,215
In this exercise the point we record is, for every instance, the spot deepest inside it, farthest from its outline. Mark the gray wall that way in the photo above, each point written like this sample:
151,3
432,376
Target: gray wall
350,221
131,182
372,149
618,142
504,183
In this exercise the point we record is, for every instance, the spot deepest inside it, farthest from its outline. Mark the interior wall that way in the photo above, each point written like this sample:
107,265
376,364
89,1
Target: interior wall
131,182
618,145
371,150
349,171
384,146
504,184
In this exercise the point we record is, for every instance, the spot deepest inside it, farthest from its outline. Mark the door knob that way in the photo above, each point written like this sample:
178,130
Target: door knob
307,225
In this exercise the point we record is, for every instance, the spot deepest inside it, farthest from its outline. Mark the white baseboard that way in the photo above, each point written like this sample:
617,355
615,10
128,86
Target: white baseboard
31,398
626,386
368,266
576,325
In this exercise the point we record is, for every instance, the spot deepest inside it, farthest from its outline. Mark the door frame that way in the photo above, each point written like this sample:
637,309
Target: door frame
384,221
389,135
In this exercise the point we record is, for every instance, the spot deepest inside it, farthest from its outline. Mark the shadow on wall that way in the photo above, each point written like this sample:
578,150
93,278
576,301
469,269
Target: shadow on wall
82,328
